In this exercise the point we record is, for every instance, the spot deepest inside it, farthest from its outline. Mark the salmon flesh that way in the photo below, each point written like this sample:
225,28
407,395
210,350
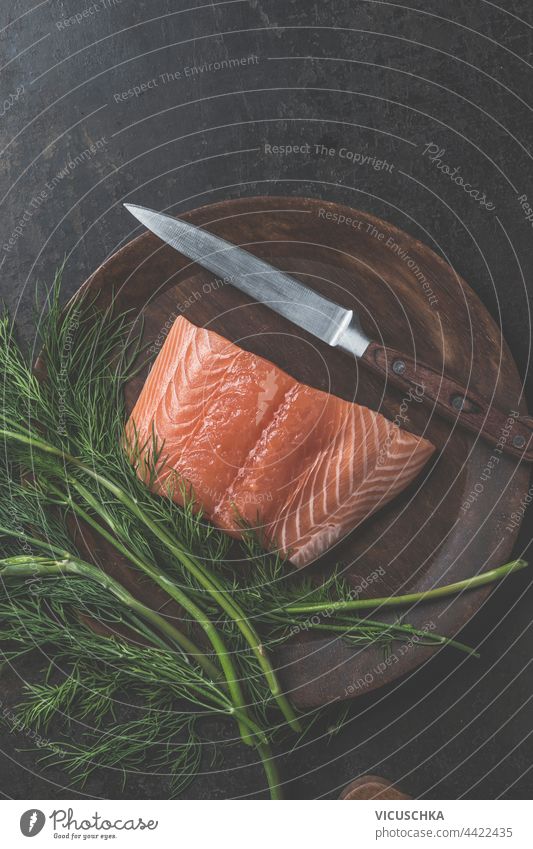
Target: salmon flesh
255,448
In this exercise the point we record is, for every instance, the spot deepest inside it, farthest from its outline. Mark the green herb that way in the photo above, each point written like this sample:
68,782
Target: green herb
63,462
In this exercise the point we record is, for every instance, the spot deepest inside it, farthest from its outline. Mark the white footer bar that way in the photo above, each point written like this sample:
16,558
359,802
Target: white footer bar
264,825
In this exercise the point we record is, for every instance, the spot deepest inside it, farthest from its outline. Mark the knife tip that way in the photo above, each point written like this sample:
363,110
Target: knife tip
141,213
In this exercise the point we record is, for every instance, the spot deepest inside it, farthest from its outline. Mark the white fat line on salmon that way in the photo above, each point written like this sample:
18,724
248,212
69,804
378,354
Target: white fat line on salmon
267,394
248,497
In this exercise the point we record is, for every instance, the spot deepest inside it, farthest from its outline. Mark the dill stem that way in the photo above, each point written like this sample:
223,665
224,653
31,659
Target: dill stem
141,564
175,592
205,578
30,566
411,598
392,630
162,624
155,573
371,630
271,771
220,595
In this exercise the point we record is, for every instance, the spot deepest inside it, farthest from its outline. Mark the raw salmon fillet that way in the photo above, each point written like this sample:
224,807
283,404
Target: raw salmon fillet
253,445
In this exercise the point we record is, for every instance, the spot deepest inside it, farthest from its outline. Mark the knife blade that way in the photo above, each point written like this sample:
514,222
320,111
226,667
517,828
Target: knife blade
295,301
341,328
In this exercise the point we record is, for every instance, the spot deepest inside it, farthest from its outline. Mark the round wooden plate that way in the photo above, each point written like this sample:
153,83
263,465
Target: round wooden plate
454,520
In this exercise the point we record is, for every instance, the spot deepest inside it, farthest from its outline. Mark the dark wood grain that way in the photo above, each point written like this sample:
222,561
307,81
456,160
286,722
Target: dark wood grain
455,519
506,431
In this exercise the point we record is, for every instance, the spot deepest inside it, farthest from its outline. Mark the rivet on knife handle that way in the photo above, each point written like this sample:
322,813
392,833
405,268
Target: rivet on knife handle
454,402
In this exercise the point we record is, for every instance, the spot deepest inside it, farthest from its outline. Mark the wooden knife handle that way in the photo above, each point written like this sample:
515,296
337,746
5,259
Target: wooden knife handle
509,432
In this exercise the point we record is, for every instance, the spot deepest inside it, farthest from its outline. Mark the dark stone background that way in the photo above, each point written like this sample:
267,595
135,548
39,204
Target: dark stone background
375,77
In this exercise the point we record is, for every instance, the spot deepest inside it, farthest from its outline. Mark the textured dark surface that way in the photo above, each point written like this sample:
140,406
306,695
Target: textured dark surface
383,81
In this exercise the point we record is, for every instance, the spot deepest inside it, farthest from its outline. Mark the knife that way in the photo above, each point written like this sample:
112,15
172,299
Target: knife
509,433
